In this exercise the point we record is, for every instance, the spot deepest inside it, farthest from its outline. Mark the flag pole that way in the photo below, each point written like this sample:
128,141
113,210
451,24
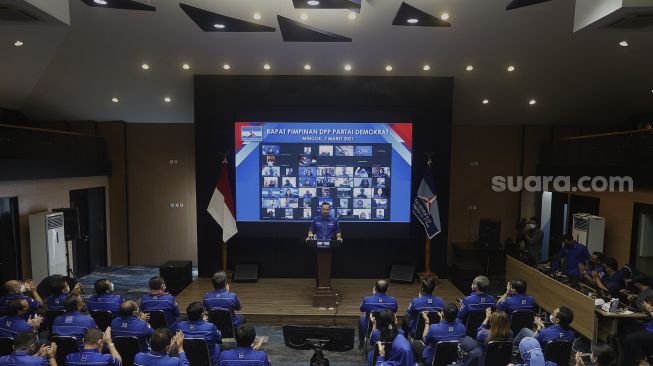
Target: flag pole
427,245
224,243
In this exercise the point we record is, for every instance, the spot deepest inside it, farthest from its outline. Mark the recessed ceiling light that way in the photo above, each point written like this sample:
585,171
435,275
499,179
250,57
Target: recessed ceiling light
257,16
623,43
115,100
426,67
444,16
267,66
486,101
469,68
304,16
18,43
388,68
185,66
510,68
226,66
352,15
412,20
348,67
100,2
167,99
313,2
532,101
219,26
307,67
145,66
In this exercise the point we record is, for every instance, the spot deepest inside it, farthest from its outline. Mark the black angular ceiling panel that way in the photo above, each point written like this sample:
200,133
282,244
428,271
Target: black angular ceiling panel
293,31
515,4
207,21
120,4
327,4
424,19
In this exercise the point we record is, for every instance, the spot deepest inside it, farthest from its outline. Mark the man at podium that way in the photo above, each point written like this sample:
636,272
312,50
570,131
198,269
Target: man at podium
324,227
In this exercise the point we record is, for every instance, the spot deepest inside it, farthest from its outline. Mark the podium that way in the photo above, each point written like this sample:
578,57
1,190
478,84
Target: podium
324,295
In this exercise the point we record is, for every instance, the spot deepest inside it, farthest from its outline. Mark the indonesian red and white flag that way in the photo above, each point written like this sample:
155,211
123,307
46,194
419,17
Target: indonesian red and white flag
221,207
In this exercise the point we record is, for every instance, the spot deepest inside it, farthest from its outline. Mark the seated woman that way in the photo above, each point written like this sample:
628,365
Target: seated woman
495,327
531,353
386,331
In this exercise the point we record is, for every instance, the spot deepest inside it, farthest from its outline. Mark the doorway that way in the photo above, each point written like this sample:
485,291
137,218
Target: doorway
10,263
90,250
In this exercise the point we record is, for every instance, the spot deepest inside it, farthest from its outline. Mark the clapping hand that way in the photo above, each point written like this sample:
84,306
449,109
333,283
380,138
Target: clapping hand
144,316
579,359
539,323
178,341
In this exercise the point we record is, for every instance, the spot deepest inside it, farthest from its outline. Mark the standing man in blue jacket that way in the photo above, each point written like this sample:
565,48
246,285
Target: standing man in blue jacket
222,298
378,301
575,256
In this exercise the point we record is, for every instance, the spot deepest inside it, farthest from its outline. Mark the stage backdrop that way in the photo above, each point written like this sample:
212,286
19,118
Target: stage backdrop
369,249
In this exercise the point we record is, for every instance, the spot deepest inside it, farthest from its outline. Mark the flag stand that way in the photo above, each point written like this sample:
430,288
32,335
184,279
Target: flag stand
224,260
427,262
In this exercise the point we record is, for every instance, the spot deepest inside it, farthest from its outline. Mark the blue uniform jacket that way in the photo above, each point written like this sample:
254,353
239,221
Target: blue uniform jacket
573,257
475,302
131,326
554,332
443,331
91,357
160,359
33,304
23,359
614,283
208,331
73,324
10,326
243,356
401,353
376,302
325,228
517,302
55,302
165,302
419,304
105,302
223,299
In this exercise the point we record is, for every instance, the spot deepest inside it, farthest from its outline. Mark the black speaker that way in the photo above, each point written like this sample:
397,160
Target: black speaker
70,223
246,273
402,274
177,275
489,233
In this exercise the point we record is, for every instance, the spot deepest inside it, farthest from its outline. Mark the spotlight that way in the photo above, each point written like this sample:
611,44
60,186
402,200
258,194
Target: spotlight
313,2
348,67
100,2
352,15
18,43
426,68
388,68
510,68
444,16
145,66
307,67
469,68
486,101
267,66
115,100
226,66
623,43
219,26
167,99
532,102
185,66
257,16
412,20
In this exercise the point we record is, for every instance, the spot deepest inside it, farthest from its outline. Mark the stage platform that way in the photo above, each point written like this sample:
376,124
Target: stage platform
278,301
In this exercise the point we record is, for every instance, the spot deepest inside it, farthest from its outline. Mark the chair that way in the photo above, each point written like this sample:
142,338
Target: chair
474,320
498,353
65,346
375,351
368,333
102,318
223,321
197,351
6,346
445,353
128,347
49,317
157,319
558,351
521,319
434,318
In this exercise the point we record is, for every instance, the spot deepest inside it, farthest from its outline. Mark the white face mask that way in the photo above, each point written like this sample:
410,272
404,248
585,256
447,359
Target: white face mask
553,319
23,288
111,286
532,226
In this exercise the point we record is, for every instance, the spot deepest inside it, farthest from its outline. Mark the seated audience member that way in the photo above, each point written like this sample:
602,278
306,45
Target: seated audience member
642,283
450,328
495,327
14,322
478,300
103,299
561,318
638,341
131,323
198,327
602,355
531,352
162,344
25,349
16,290
221,298
574,254
515,298
595,265
400,352
73,323
60,291
91,354
378,301
246,352
613,281
425,302
159,299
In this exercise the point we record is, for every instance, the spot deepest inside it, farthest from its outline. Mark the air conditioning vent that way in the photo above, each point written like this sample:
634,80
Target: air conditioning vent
54,222
641,21
14,14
